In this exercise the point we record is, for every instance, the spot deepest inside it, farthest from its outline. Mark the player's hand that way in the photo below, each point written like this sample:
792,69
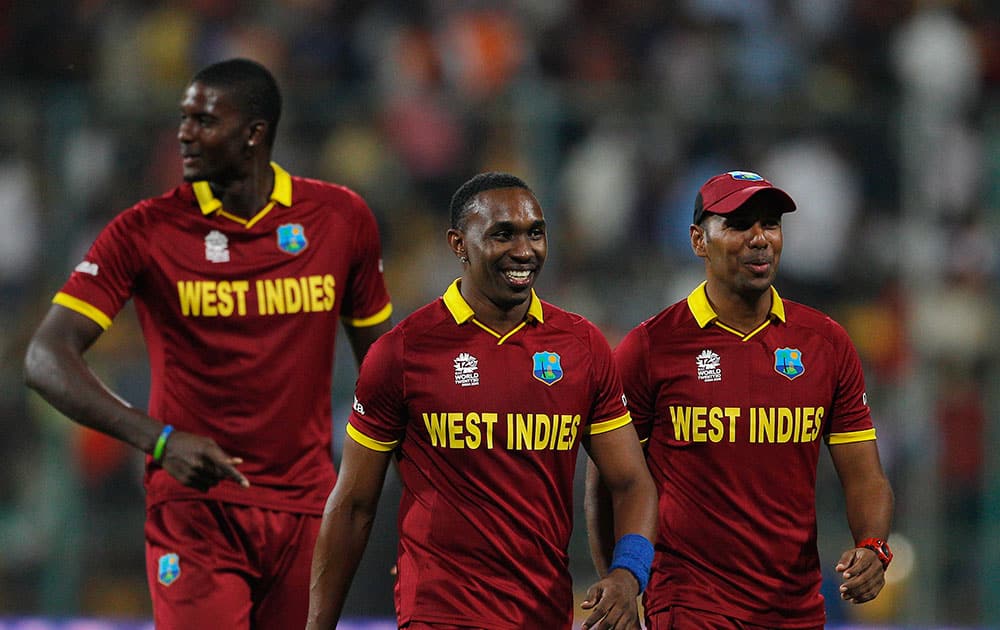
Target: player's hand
198,462
612,603
862,573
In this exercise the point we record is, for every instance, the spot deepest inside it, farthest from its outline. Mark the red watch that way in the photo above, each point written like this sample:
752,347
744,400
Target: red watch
881,549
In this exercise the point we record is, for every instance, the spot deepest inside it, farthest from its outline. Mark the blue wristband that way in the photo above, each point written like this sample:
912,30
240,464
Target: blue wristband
634,554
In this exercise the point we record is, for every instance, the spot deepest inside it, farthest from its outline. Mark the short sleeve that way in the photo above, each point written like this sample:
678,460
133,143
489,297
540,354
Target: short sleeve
850,417
378,418
609,411
366,301
103,281
631,358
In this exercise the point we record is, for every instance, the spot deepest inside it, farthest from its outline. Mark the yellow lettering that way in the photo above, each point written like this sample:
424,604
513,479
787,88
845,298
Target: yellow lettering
786,424
316,293
455,430
329,294
240,287
293,295
543,429
716,429
820,412
698,424
224,291
274,296
474,437
765,420
681,419
189,293
436,428
733,413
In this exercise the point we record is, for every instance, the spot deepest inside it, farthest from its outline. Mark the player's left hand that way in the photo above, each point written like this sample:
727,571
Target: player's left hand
862,573
613,603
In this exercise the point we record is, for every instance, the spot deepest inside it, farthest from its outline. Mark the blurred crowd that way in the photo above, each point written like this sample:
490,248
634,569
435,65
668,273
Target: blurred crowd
881,118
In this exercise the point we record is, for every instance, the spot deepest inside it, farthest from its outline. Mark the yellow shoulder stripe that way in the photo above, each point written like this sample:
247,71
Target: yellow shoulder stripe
83,308
853,436
610,425
371,320
364,440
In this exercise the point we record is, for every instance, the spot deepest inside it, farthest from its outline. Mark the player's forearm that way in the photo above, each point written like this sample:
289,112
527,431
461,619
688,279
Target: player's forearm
635,508
870,508
65,381
339,548
600,522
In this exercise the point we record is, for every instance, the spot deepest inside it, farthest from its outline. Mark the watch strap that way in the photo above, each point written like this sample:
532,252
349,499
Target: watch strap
881,549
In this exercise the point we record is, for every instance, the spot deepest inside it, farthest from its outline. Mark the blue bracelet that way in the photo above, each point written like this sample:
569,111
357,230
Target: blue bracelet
634,554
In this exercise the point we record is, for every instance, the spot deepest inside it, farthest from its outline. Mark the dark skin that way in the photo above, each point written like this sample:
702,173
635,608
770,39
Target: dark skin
741,251
229,149
503,239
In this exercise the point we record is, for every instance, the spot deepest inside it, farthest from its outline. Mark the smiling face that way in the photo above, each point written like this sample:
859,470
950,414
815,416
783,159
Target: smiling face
503,238
741,249
214,135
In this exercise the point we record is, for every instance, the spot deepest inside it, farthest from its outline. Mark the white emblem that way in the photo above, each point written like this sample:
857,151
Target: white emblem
466,370
87,267
358,406
216,247
708,366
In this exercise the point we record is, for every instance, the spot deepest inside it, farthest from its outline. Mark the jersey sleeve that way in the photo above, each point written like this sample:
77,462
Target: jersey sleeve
631,358
850,417
366,300
609,411
103,281
378,419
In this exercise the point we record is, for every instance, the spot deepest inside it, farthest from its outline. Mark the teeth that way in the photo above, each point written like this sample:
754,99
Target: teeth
518,275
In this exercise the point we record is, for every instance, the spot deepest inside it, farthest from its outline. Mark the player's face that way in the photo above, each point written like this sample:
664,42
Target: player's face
213,134
504,240
741,249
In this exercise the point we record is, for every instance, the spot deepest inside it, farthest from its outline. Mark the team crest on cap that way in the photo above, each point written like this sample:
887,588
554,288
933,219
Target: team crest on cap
292,238
169,569
788,363
746,176
548,367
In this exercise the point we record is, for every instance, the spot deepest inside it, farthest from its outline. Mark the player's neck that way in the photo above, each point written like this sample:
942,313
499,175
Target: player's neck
246,196
741,311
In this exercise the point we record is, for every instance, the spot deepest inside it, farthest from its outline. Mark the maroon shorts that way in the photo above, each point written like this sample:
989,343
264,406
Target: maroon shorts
219,565
681,618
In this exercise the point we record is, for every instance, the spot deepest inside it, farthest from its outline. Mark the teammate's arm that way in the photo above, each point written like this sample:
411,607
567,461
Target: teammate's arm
618,458
343,535
54,367
362,337
869,500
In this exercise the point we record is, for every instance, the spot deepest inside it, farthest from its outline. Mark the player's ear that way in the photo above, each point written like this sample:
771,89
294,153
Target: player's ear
456,241
256,133
698,240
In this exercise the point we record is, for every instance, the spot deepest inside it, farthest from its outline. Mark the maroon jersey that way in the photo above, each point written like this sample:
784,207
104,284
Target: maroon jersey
487,429
240,318
732,425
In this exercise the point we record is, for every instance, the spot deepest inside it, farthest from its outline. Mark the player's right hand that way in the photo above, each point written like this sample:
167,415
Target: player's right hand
198,462
612,603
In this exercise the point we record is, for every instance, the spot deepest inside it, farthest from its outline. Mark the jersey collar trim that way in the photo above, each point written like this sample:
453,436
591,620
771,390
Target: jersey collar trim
704,314
281,193
462,312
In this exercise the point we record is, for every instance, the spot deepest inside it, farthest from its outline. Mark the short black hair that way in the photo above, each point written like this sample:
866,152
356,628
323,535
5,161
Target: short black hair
461,200
251,84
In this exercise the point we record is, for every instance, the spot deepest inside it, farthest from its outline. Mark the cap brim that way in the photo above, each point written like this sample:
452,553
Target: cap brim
734,201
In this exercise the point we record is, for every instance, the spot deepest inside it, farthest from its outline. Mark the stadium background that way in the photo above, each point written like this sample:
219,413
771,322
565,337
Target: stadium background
880,117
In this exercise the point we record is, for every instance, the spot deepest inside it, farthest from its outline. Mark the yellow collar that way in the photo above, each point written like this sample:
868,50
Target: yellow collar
704,314
462,312
281,193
